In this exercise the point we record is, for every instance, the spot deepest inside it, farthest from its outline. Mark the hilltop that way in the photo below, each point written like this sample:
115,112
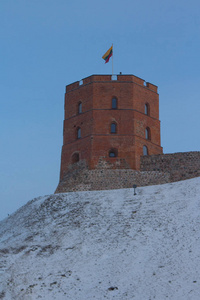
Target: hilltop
104,245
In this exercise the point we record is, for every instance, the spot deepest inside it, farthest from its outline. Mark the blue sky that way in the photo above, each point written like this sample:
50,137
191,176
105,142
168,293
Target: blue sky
45,45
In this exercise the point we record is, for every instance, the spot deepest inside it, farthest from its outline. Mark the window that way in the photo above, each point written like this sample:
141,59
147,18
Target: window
147,134
113,153
145,150
113,128
147,109
80,108
75,157
114,103
79,133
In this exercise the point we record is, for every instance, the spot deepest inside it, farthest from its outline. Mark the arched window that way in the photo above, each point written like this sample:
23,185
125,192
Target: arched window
145,150
113,128
75,157
80,108
147,133
113,153
147,109
114,103
78,133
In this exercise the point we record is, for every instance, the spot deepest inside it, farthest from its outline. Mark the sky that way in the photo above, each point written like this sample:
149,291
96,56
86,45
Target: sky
46,45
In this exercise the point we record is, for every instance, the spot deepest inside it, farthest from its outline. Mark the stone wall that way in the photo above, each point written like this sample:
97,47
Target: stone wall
180,166
155,169
80,178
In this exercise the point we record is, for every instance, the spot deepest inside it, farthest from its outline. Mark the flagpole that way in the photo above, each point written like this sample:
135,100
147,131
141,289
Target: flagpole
112,61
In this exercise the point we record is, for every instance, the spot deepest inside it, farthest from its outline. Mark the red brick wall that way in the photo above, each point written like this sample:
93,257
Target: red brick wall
96,93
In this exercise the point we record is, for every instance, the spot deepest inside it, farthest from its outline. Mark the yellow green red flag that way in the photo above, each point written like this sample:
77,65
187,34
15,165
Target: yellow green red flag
108,55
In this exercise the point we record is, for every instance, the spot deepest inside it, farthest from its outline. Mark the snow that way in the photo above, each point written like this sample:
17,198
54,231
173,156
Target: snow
104,245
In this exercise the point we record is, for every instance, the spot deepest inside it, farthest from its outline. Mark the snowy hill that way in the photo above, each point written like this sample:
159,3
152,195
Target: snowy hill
104,245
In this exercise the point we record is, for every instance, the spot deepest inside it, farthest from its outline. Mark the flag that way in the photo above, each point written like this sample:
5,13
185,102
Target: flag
108,55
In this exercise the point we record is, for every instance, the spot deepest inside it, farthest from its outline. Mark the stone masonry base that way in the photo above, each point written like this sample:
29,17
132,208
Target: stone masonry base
155,169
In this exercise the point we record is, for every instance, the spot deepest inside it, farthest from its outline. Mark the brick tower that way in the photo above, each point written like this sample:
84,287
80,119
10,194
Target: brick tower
109,123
